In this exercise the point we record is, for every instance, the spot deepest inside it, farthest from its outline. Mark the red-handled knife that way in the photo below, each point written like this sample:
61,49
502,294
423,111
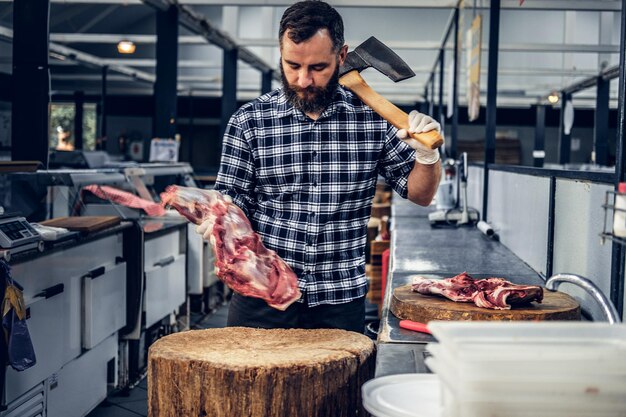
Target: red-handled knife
415,326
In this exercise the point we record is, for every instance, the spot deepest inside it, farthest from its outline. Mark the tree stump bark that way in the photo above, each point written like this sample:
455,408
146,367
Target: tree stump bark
245,372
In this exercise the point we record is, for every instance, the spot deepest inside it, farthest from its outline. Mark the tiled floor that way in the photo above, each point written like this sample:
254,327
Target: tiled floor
136,402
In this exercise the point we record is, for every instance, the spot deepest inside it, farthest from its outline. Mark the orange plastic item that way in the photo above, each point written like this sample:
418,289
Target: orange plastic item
415,326
385,268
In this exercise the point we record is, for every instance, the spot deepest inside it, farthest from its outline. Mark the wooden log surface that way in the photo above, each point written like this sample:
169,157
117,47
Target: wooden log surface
407,304
238,371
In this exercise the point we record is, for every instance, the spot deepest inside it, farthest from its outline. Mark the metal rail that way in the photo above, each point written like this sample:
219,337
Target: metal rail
492,92
617,250
606,305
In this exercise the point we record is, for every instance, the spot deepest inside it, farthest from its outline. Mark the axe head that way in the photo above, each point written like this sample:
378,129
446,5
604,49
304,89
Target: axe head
373,53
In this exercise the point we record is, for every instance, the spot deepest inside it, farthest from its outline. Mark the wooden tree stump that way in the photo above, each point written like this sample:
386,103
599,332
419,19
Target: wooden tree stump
245,372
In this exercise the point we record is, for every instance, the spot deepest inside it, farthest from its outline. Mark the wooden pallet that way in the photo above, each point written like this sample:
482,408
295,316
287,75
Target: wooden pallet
374,271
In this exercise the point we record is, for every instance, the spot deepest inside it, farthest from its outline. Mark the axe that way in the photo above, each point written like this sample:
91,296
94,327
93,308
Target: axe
373,53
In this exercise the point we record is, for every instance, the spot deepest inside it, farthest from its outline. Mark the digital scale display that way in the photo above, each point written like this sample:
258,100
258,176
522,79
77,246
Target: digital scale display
16,231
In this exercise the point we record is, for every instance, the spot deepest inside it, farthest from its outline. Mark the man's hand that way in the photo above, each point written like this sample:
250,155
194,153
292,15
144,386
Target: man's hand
205,229
420,123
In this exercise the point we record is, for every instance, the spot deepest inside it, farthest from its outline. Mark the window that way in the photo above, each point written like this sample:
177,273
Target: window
61,131
61,126
89,126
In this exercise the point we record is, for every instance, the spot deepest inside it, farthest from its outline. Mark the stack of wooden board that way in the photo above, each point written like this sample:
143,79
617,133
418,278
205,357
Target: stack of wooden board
377,248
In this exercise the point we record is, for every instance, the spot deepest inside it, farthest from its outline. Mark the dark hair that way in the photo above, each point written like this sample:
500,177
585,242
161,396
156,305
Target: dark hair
304,18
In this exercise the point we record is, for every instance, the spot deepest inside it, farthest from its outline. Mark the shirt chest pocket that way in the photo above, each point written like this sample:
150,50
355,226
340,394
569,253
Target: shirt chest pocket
280,173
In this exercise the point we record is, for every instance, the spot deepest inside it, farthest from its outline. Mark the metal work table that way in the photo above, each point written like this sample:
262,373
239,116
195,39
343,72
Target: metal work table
151,226
71,240
419,249
156,226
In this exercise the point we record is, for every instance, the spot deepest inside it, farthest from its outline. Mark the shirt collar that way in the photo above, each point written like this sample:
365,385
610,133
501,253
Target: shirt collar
285,109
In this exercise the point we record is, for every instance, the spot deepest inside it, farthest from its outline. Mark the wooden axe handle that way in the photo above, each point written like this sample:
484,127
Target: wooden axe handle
355,83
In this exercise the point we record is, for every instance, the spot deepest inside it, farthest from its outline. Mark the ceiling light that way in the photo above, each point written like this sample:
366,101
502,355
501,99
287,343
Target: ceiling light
126,47
553,98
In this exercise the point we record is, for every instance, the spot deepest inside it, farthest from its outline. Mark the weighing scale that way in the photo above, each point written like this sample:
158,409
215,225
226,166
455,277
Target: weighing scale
17,235
462,214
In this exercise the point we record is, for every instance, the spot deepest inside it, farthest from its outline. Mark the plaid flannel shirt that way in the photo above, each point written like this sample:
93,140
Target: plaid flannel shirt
307,186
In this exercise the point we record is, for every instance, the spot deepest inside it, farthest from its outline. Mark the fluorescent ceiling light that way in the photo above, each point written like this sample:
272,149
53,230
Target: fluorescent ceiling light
126,47
553,98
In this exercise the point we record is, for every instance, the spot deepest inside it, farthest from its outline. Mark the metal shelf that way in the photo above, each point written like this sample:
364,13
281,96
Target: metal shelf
610,208
611,236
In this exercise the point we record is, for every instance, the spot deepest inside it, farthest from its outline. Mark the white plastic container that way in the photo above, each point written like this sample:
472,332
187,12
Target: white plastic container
579,389
557,359
525,369
619,217
490,333
403,395
500,399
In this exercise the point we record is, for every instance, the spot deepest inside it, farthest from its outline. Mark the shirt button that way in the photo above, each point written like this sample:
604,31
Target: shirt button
314,154
312,214
315,184
307,272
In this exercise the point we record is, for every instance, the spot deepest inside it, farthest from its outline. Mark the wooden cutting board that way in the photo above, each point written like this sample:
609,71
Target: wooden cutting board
83,223
406,304
19,166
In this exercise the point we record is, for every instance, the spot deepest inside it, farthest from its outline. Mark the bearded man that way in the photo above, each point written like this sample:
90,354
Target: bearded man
302,162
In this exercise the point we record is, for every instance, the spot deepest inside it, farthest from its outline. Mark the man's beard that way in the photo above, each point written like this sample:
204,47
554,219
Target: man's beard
311,99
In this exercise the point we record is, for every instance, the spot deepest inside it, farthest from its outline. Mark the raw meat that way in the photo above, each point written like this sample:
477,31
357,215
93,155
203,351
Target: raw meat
125,199
494,293
241,260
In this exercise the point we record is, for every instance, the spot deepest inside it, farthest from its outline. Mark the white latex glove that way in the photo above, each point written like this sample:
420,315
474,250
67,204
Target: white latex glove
420,123
205,229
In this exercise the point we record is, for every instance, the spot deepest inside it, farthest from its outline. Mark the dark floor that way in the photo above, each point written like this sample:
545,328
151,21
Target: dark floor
136,402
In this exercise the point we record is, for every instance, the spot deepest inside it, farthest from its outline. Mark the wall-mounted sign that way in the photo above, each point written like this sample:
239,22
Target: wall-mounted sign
164,150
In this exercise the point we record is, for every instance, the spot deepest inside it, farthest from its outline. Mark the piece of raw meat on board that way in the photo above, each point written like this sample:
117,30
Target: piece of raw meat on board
494,293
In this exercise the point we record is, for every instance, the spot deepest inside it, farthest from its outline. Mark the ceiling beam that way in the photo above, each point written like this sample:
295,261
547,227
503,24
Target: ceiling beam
198,23
115,38
92,60
409,89
151,63
573,5
108,38
63,52
112,78
97,18
579,5
140,63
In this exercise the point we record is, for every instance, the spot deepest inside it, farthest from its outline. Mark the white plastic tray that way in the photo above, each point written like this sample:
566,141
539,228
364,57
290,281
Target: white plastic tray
403,395
564,350
582,391
528,363
511,369
489,333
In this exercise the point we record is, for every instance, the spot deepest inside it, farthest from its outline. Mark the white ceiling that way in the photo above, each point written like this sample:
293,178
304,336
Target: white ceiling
544,44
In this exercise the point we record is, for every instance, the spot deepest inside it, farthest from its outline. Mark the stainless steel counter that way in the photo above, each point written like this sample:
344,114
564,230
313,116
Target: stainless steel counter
419,249
73,239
